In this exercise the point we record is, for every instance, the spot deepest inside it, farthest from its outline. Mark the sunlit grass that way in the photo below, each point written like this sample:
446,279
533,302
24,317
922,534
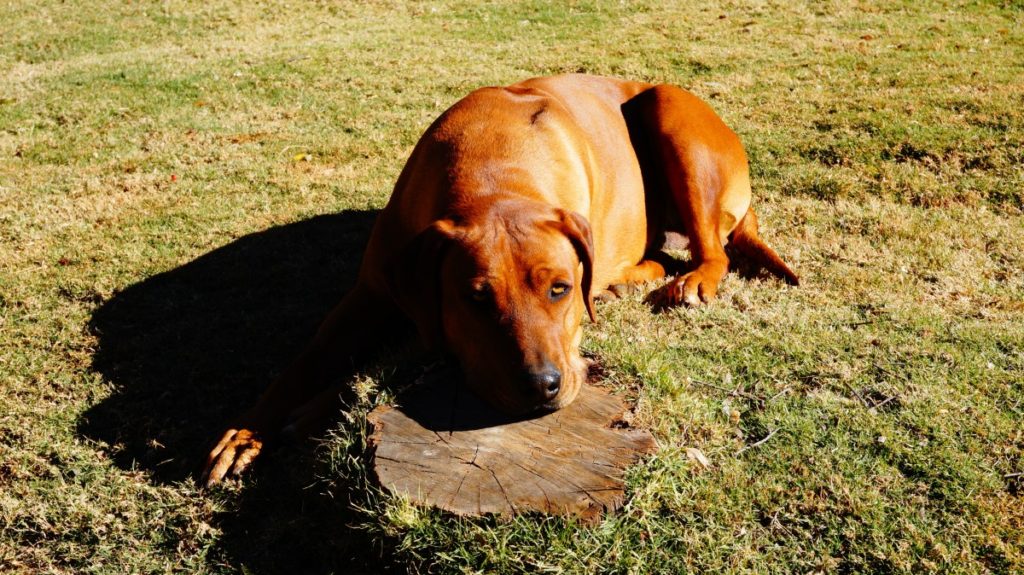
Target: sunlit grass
886,144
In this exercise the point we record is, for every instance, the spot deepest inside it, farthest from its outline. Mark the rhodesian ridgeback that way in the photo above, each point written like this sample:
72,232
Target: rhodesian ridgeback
518,207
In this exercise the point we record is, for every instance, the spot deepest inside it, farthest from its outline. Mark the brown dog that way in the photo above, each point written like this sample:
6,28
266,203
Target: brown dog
517,207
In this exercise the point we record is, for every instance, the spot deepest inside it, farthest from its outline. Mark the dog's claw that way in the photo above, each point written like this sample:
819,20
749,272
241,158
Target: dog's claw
232,455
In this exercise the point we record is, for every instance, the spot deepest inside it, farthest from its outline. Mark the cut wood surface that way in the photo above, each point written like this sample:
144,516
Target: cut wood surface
444,447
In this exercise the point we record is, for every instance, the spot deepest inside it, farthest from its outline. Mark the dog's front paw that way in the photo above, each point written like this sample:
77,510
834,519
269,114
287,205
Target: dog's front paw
691,289
232,455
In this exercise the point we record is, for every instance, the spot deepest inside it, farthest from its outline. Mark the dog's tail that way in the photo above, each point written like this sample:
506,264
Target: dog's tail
748,243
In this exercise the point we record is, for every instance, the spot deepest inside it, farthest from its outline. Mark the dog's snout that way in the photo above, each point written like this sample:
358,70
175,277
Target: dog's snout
547,382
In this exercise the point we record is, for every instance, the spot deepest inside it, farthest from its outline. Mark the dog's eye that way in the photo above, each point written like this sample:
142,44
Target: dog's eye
480,294
559,290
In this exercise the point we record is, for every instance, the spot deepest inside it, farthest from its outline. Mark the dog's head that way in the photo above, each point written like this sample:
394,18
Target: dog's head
506,295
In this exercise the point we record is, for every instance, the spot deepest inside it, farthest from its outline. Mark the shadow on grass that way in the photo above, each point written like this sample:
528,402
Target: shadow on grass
191,348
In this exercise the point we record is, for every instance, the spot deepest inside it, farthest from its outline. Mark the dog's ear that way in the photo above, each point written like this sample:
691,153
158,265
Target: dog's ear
414,280
577,229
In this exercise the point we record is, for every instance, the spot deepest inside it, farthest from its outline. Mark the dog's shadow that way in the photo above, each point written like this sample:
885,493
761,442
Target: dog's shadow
189,349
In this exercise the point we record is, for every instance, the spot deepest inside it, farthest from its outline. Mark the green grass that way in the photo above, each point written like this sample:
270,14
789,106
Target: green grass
166,168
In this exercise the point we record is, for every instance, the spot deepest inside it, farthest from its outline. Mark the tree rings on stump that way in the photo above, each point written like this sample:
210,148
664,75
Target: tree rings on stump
444,447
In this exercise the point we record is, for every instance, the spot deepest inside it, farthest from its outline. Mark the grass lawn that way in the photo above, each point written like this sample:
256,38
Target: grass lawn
186,187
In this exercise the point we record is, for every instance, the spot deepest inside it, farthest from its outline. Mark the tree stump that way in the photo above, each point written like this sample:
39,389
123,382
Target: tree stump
442,446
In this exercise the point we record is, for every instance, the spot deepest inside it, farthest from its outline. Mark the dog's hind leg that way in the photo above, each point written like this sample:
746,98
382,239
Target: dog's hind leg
312,388
748,243
693,160
644,271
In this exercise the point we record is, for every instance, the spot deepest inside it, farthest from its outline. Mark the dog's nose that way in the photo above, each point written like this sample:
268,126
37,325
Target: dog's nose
548,382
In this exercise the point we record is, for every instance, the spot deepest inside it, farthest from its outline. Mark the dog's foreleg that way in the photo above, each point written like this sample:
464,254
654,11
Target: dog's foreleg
310,390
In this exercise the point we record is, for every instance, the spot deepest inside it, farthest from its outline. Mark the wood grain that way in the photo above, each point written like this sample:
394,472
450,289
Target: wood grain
441,446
